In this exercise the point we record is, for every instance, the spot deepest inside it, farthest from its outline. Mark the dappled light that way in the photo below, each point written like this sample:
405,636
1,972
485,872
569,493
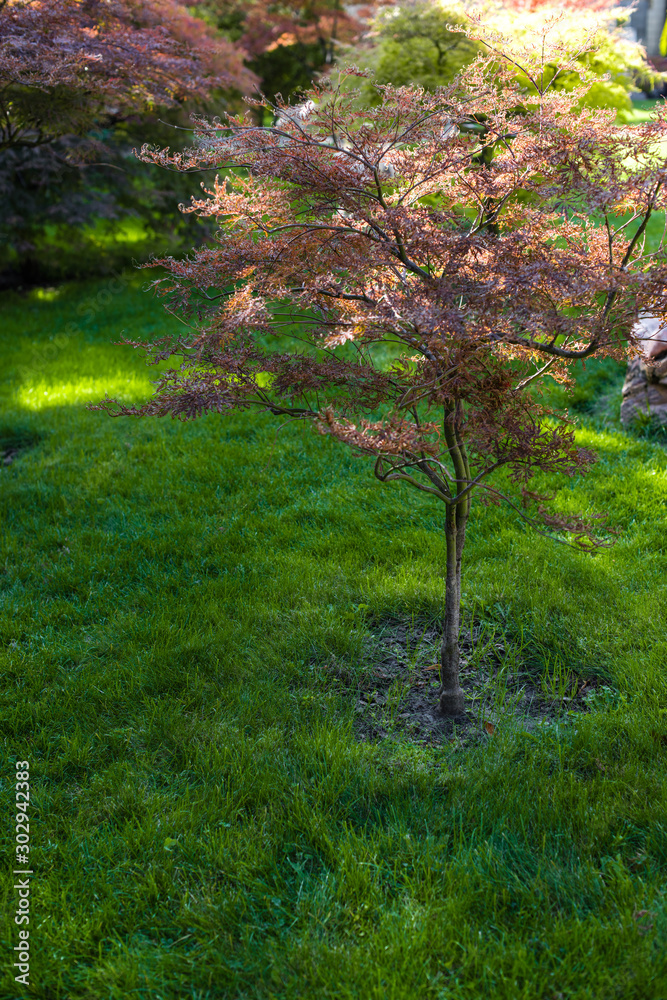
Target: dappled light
46,294
85,390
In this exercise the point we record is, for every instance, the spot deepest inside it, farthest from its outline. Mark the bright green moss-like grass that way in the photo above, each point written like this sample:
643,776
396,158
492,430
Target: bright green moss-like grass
205,823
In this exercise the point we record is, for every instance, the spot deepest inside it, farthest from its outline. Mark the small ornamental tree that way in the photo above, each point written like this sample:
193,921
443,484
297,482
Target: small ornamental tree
485,237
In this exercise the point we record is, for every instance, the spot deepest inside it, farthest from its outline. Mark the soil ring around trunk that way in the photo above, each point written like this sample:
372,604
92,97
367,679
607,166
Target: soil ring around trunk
397,687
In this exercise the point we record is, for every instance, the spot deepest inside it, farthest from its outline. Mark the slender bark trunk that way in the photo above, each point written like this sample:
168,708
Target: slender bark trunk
452,697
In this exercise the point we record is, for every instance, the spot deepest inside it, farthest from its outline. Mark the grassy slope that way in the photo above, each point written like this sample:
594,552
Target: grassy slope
204,822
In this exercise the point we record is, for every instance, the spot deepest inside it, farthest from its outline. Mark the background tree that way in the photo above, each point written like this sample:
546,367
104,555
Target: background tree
75,79
596,31
412,42
287,44
66,64
405,276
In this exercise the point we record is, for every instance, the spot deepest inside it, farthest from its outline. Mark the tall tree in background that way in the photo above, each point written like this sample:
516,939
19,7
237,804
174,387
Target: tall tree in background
404,276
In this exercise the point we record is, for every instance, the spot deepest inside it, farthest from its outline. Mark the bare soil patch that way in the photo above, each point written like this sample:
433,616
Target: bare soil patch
397,690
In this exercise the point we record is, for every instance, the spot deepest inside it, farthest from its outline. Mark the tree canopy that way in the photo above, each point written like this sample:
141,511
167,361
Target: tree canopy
64,63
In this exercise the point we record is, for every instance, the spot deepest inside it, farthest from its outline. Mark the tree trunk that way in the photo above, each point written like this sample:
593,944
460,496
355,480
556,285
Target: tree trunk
452,697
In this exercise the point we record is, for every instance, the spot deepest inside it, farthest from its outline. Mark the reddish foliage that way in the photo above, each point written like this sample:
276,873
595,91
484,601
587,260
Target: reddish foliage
63,61
268,27
264,26
480,234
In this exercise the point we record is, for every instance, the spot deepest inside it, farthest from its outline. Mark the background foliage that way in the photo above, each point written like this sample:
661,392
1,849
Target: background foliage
411,43
76,81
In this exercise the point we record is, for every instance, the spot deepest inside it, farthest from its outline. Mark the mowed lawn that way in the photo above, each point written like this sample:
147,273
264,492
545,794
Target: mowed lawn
205,821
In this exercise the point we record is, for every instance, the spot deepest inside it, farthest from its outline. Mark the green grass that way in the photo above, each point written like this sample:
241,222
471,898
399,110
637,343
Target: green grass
204,822
642,111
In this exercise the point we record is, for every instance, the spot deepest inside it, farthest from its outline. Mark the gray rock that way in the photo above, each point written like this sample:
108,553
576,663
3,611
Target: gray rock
645,390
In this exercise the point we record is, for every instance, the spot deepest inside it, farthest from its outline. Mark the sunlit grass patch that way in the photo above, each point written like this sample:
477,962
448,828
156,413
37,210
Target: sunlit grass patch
127,387
45,294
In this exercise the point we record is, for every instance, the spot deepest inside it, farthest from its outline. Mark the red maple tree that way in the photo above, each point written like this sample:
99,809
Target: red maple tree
483,236
65,63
